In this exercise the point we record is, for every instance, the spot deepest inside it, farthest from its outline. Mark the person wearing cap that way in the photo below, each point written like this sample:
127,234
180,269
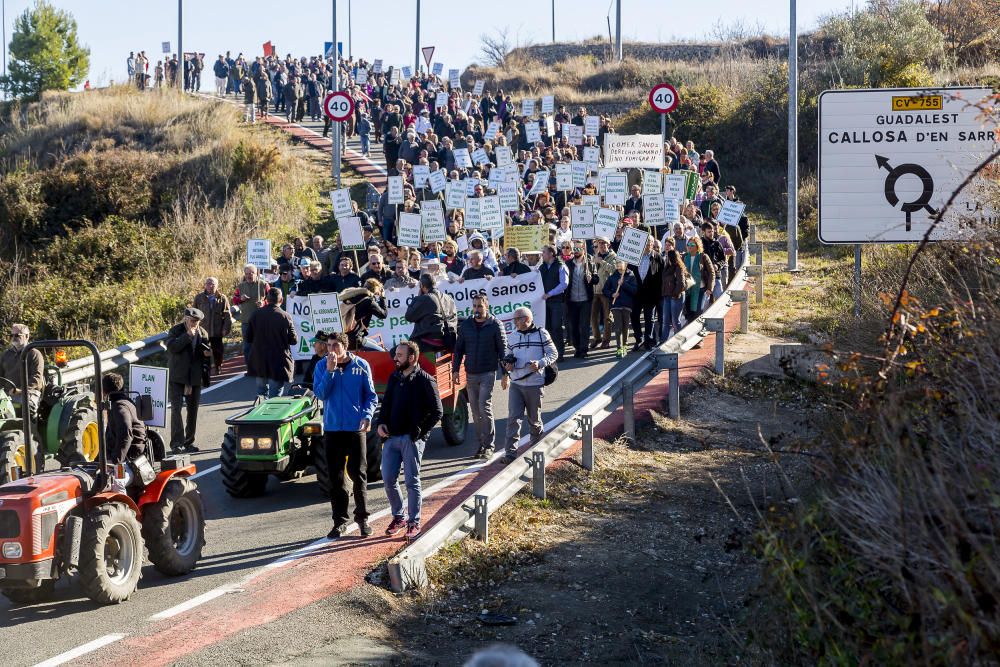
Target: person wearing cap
188,350
271,334
320,350
12,369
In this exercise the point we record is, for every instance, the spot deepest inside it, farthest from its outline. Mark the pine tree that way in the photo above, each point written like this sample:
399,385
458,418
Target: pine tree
45,53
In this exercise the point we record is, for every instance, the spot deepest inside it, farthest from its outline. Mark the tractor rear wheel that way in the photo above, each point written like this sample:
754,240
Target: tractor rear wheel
322,466
239,483
41,593
11,453
80,442
174,528
454,424
373,455
111,553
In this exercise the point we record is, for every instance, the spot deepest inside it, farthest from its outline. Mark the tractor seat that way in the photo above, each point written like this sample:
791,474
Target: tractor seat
87,481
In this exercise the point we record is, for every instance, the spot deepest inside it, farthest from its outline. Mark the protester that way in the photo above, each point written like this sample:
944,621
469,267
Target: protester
529,351
218,320
410,409
600,312
125,433
188,350
482,345
674,282
434,317
620,290
647,300
248,297
579,297
271,334
320,350
701,269
344,384
555,280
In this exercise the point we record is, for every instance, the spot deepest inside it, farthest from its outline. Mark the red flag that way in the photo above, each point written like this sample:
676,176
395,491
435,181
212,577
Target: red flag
268,48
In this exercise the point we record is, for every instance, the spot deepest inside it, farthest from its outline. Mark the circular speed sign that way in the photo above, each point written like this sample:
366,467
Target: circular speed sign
663,98
338,106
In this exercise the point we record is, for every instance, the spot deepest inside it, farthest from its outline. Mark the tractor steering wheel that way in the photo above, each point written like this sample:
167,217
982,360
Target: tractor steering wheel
7,386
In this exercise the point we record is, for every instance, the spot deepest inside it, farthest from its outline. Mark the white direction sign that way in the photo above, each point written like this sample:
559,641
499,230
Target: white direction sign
325,312
890,159
151,381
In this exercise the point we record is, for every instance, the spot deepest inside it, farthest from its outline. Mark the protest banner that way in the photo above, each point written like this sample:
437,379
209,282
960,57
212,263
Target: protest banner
480,157
437,180
528,108
564,176
301,312
606,223
591,125
675,186
582,221
462,158
550,126
505,293
671,210
259,253
477,89
548,104
652,182
408,233
691,186
574,134
423,125
454,195
341,200
470,186
731,212
491,132
509,201
377,66
526,238
395,76
504,156
531,132
441,101
490,215
351,236
395,190
454,79
325,312
632,246
421,172
579,173
591,200
639,151
432,222
473,212
652,209
592,156
407,72
616,189
540,184
362,77
151,381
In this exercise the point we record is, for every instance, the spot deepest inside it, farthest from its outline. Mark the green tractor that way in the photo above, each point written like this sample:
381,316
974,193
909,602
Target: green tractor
281,436
66,428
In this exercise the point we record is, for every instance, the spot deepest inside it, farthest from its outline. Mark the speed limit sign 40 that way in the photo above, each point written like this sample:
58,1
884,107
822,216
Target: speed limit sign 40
663,98
338,106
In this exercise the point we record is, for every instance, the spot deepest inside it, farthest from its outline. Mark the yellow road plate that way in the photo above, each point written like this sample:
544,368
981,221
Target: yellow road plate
917,103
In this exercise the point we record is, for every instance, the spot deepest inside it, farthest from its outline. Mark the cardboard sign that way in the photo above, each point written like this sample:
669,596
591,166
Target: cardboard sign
441,101
437,69
491,217
423,125
550,126
433,227
454,80
574,133
454,195
675,186
351,236
591,200
632,246
731,212
582,221
480,157
341,200
639,151
532,133
491,131
470,186
504,155
616,189
652,183
473,212
564,176
462,158
653,213
377,66
421,172
165,46
693,181
151,381
298,308
591,125
671,210
259,253
408,234
528,108
592,156
578,170
548,104
437,181
477,90
361,77
395,190
540,184
606,223
395,76
526,238
325,312
509,200
407,72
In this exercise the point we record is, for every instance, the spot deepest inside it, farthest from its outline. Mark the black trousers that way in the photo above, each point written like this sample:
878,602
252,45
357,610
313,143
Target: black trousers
555,313
579,325
645,310
218,350
181,434
347,450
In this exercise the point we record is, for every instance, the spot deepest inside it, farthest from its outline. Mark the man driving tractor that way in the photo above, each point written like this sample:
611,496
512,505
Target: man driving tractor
11,369
125,433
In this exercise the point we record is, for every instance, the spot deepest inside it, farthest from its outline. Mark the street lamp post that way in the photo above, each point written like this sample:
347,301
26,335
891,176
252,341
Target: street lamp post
416,45
792,226
179,75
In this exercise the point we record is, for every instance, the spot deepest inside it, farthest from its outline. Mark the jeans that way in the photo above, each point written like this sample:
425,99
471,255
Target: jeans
480,388
365,144
246,343
181,434
554,314
579,325
524,400
269,388
346,451
671,318
401,451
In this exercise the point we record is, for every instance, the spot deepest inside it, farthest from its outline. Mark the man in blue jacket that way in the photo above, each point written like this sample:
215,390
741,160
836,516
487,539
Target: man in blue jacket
344,384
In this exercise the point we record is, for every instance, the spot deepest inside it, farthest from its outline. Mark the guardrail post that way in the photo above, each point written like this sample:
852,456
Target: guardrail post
753,234
482,516
717,325
741,297
757,273
587,426
672,363
757,250
538,475
628,409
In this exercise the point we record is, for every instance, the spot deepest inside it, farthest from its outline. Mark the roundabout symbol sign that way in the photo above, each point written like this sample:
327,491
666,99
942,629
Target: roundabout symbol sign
907,169
338,106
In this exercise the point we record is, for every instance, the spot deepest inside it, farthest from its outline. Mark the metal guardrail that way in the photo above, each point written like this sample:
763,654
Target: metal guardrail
408,568
83,369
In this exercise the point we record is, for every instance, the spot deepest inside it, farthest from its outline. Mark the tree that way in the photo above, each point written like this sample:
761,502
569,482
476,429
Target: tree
45,53
971,28
494,48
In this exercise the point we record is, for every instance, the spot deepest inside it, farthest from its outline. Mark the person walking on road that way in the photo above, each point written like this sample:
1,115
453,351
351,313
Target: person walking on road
188,350
555,280
482,344
249,296
344,384
410,409
271,334
529,351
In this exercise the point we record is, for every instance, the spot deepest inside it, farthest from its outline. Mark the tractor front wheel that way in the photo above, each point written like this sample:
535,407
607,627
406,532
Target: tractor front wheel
174,528
239,483
111,553
43,592
11,454
322,466
454,424
80,442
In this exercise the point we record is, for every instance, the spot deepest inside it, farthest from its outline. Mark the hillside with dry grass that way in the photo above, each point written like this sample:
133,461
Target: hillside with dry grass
115,205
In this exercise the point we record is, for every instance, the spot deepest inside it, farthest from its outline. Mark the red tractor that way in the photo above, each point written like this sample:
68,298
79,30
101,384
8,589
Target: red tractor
96,519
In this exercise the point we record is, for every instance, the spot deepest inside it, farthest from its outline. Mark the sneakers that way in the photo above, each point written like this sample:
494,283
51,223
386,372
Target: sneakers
364,528
396,526
621,352
412,530
509,458
484,453
191,448
336,532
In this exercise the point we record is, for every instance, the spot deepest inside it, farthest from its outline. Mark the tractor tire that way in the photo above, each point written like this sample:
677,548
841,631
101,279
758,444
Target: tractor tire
80,441
111,553
11,453
41,593
239,483
373,455
322,466
174,528
454,424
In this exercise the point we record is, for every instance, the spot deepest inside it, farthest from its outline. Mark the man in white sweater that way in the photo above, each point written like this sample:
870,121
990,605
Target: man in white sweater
529,351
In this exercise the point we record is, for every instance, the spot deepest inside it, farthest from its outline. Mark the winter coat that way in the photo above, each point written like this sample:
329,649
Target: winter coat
411,405
649,287
481,346
271,334
348,394
185,357
672,280
429,312
626,296
533,344
12,369
125,432
218,321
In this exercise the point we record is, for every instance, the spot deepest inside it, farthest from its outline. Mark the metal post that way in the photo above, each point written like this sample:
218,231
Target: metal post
350,40
3,27
793,141
482,518
717,325
416,46
673,362
857,280
757,273
553,21
628,408
663,128
587,456
753,234
180,45
618,30
335,125
741,297
538,475
758,250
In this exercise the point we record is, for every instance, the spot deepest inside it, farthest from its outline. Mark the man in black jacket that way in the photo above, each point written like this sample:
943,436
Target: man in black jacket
410,409
514,265
125,433
431,312
188,350
271,334
482,344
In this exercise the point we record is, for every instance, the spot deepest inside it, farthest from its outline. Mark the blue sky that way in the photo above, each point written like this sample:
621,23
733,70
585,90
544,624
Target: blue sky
385,28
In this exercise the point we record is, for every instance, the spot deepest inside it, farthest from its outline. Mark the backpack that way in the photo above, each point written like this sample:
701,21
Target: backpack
449,320
551,370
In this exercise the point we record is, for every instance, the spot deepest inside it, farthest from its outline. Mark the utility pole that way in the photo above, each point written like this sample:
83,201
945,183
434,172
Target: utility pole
350,40
3,25
416,46
792,226
180,45
553,21
335,126
618,29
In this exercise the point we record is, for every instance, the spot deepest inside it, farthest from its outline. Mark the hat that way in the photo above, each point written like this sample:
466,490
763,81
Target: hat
368,227
19,329
195,313
320,337
602,238
305,261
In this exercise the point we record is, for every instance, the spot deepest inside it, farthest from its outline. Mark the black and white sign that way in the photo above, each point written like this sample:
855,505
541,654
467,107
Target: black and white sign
581,220
632,246
341,200
606,223
731,212
653,213
410,225
548,104
528,108
508,197
259,253
325,312
351,236
437,181
432,221
462,158
454,195
477,89
151,381
652,182
564,176
591,125
540,184
421,172
616,189
395,190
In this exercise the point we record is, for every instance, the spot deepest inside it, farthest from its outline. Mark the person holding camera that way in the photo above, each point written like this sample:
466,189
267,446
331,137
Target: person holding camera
529,351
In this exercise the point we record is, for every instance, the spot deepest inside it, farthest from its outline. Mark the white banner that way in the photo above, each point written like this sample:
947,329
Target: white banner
432,222
639,151
151,381
298,307
564,176
341,200
652,183
437,181
606,223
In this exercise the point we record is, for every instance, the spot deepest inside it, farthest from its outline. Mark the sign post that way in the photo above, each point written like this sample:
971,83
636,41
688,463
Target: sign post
338,106
663,99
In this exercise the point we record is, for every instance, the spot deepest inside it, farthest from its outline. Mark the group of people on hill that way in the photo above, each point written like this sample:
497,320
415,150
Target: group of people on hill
164,73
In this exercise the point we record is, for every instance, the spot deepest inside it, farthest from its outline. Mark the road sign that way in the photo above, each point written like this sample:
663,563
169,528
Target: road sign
889,159
338,106
428,52
663,98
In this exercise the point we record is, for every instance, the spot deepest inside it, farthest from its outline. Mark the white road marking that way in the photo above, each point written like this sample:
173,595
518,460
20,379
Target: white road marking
190,604
81,650
224,383
206,471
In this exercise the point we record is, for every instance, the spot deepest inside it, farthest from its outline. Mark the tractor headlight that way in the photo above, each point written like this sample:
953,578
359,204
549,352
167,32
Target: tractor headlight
311,429
246,443
11,550
264,443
